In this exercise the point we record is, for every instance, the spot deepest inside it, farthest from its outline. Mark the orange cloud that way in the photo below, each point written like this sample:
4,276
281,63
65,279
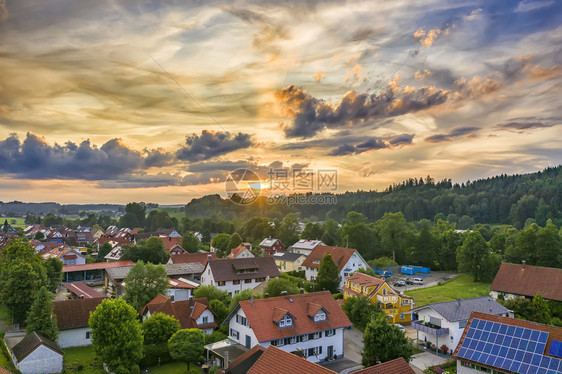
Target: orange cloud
318,75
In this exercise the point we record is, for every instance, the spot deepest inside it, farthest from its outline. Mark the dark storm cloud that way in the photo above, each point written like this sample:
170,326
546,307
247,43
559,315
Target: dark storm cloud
527,124
455,133
372,144
35,158
311,115
211,144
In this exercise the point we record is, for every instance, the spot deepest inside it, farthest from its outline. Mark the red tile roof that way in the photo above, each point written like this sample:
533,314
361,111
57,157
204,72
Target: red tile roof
366,281
170,243
246,360
554,333
277,361
187,258
96,266
75,313
339,255
261,313
176,283
234,252
81,289
185,311
396,366
529,280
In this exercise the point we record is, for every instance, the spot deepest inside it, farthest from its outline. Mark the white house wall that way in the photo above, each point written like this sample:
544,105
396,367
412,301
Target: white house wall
207,279
42,360
74,338
210,319
451,340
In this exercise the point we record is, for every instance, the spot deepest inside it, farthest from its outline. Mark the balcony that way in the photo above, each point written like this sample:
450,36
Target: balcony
428,328
388,299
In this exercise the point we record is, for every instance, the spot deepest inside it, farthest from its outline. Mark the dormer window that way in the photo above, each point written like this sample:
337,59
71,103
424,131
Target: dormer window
287,321
320,316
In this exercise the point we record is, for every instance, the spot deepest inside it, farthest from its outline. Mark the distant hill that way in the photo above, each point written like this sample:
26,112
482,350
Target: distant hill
503,199
18,208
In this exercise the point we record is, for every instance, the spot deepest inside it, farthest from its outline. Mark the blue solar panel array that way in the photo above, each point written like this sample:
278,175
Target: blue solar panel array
507,347
555,348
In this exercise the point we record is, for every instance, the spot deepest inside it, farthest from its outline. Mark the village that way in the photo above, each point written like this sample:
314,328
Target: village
304,307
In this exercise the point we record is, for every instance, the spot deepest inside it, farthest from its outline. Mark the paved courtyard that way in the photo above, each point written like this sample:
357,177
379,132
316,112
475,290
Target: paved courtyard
353,342
424,360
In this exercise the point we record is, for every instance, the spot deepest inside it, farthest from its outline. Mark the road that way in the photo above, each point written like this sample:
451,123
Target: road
353,342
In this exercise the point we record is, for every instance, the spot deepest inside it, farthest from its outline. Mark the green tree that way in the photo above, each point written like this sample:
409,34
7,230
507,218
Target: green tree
473,255
103,251
160,219
187,345
243,295
447,240
150,250
220,242
328,275
332,232
40,317
234,241
190,243
211,293
220,310
39,236
384,342
144,282
313,231
276,286
135,215
394,232
360,311
287,230
117,335
159,328
550,244
54,272
541,311
424,244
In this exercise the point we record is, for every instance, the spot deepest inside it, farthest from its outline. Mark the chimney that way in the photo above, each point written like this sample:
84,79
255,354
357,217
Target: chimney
301,290
523,264
283,293
265,295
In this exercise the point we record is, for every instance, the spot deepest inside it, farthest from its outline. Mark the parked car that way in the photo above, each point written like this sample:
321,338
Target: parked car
400,283
400,327
417,280
409,281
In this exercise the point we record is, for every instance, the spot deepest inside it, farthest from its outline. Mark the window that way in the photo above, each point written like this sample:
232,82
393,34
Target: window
220,283
88,335
235,334
236,281
401,315
205,320
286,321
384,291
247,281
320,316
405,302
331,332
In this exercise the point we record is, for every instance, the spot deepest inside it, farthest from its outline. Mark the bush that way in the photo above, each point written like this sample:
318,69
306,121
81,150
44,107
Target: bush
444,349
428,344
297,274
215,337
151,354
338,296
135,369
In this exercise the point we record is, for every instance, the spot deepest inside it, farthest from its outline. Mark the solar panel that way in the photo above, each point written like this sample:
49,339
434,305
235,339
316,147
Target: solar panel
516,349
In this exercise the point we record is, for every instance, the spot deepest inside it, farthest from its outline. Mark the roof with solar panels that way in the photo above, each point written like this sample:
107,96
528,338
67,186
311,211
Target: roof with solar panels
511,345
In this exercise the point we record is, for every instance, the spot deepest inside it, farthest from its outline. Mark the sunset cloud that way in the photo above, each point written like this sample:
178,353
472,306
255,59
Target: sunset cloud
211,144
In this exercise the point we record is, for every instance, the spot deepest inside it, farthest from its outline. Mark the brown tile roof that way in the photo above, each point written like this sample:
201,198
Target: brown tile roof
170,243
75,313
234,252
245,361
339,255
81,289
277,361
96,266
260,314
104,240
185,311
227,269
364,280
3,370
186,258
529,280
396,366
30,343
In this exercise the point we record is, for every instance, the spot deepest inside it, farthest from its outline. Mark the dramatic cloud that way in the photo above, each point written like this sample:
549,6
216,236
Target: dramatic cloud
35,158
529,6
311,115
212,144
527,124
372,144
456,133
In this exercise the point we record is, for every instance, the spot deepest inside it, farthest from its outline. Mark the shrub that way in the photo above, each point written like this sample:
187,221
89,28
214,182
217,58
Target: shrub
151,354
338,296
444,349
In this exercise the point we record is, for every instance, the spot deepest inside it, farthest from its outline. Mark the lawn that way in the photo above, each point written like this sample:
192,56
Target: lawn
5,315
19,221
81,360
174,368
461,287
172,212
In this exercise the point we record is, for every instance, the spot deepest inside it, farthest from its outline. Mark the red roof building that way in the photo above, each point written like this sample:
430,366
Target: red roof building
348,261
396,366
187,258
514,280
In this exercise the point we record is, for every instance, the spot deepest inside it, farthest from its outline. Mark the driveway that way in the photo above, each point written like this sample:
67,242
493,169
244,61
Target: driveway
353,343
424,360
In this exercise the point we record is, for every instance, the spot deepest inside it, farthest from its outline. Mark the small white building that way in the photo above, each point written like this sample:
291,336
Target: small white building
35,354
72,320
305,246
348,261
242,251
239,274
312,324
443,323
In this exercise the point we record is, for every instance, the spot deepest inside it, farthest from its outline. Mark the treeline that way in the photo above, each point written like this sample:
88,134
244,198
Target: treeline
505,199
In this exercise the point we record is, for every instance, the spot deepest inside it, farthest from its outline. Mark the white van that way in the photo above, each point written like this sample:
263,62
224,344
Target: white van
417,280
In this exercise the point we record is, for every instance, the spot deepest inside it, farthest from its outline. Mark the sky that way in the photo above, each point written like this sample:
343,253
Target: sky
138,100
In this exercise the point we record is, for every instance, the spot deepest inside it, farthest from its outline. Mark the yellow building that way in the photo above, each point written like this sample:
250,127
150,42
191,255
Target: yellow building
288,261
397,307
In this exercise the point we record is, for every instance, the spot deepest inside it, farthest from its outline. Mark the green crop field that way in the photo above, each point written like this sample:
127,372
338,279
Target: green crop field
461,287
14,221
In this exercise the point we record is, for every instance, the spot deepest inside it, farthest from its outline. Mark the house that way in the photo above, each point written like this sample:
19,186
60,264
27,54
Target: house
270,246
241,251
443,323
289,261
348,261
181,288
396,306
311,324
72,320
513,280
35,354
187,258
91,274
192,313
7,228
273,361
115,276
69,256
495,344
396,366
115,254
239,274
305,246
172,244
80,290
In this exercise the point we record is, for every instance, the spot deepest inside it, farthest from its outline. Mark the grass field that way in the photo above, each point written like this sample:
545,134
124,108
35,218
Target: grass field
174,368
173,212
19,221
461,287
81,360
